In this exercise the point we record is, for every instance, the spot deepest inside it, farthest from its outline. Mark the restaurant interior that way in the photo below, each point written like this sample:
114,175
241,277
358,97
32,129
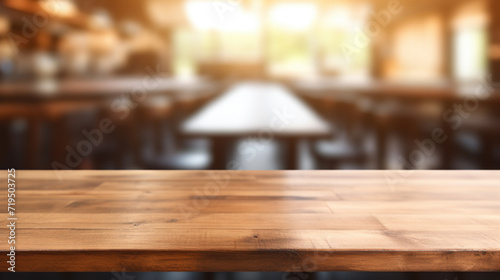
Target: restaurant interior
194,84
250,85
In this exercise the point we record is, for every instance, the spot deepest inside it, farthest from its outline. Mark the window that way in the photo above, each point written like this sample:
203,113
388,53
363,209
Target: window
470,42
290,46
184,49
418,50
226,30
336,32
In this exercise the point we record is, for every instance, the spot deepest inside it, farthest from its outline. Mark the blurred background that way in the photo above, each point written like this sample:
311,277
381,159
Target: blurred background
249,84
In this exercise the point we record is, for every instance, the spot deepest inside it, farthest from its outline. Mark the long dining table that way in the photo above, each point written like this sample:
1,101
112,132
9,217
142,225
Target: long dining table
49,100
261,110
443,97
78,89
304,221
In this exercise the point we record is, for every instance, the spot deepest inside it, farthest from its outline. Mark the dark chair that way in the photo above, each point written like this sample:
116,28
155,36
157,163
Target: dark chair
399,125
345,148
28,156
157,112
476,143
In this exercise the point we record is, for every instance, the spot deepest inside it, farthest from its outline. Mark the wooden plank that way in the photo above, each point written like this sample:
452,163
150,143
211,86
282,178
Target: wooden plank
256,221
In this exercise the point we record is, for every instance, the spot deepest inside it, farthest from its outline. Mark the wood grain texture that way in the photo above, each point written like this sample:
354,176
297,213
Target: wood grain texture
256,221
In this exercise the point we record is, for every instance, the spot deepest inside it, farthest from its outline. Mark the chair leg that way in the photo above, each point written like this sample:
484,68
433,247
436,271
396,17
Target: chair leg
60,140
448,146
34,133
219,155
487,159
381,145
292,154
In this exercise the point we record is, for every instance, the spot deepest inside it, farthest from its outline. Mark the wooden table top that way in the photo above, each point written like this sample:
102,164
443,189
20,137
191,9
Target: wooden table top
96,88
250,109
440,91
256,220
